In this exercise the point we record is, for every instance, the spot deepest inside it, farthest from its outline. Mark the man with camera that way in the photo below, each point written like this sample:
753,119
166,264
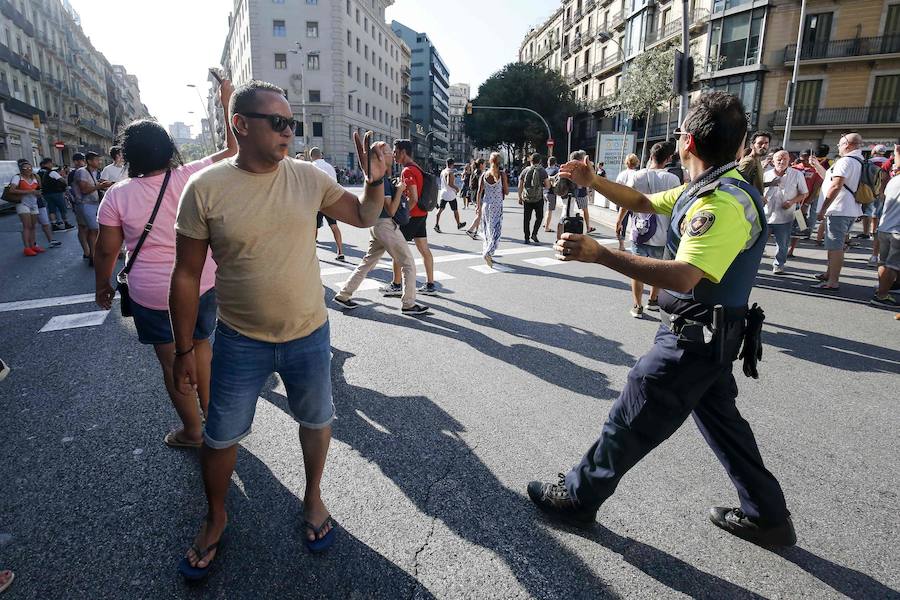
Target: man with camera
716,240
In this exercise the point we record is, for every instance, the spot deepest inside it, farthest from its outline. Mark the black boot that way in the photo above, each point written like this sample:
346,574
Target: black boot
554,499
735,522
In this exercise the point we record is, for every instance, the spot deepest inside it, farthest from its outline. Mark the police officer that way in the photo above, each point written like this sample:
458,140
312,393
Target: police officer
716,240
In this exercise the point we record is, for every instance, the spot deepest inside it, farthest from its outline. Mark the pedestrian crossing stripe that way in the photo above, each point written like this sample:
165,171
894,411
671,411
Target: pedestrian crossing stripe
88,319
544,262
497,268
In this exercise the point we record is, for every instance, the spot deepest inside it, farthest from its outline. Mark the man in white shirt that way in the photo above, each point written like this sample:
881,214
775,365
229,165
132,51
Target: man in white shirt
649,231
840,208
785,191
449,190
117,170
315,156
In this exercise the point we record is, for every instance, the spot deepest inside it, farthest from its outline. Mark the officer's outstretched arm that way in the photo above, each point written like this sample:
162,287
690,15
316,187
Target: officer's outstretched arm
582,174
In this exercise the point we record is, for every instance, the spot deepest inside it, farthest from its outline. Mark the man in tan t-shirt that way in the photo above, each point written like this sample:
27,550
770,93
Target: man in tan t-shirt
257,213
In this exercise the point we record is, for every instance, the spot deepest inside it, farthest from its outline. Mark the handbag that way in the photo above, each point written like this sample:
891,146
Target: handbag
122,276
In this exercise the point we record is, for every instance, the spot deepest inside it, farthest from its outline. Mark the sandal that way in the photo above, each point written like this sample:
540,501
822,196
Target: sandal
824,286
822,277
172,441
323,543
192,573
8,582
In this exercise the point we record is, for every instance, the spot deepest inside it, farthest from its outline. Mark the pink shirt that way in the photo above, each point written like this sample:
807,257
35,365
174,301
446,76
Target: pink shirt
128,205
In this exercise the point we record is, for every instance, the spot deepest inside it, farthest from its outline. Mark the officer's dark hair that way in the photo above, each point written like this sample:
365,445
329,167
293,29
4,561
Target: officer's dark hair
761,133
44,161
404,146
661,152
450,162
536,159
147,147
114,152
718,123
823,151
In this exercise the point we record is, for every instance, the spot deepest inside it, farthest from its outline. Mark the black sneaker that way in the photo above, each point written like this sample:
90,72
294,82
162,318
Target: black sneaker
55,244
415,309
862,236
472,235
461,225
735,522
391,290
427,288
340,258
534,238
348,303
68,227
527,240
554,499
438,229
57,227
888,301
652,304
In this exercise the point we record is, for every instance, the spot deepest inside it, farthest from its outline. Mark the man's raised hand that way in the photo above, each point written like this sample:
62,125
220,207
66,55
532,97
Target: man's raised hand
579,171
374,159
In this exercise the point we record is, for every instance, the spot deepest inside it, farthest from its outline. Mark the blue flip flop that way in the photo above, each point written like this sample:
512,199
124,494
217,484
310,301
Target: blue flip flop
324,543
192,573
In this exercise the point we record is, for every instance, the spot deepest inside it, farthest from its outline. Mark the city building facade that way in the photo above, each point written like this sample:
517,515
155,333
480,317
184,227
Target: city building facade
57,91
429,93
459,148
337,60
181,133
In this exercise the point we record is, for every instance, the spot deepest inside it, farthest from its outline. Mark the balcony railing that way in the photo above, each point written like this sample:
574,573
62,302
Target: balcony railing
92,125
590,5
566,51
576,43
602,66
860,115
578,14
23,109
671,29
570,78
583,72
868,46
616,20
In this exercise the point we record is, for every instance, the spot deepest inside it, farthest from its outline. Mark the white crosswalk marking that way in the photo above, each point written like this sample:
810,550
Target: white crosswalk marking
88,319
498,268
441,276
46,302
544,262
334,271
366,285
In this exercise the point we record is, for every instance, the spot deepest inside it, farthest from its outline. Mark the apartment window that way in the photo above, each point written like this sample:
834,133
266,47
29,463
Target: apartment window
736,39
318,129
280,61
367,80
358,75
278,29
349,38
349,102
277,1
349,69
366,53
348,14
298,130
366,24
885,99
350,131
357,45
315,95
720,5
367,109
602,89
312,1
359,106
816,34
747,88
357,16
312,62
312,29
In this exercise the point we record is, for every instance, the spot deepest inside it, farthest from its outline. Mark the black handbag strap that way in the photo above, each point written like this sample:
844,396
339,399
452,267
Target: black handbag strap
123,274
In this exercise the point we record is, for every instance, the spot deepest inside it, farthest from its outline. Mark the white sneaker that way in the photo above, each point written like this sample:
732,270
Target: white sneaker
637,311
873,261
4,370
777,270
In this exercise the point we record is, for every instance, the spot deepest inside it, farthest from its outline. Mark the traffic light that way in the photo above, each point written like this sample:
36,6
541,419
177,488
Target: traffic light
683,73
468,108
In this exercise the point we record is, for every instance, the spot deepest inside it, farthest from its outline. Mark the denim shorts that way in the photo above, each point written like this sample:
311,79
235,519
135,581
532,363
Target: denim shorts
648,250
836,230
89,215
240,368
889,250
154,327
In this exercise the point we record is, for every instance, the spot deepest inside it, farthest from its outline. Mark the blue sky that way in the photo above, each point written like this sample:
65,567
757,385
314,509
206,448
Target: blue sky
170,43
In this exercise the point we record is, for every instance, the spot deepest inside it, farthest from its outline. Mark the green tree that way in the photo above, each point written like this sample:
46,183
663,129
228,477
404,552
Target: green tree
521,85
647,84
193,151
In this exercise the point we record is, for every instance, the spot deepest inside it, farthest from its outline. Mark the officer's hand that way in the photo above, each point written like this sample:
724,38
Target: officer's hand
574,246
579,171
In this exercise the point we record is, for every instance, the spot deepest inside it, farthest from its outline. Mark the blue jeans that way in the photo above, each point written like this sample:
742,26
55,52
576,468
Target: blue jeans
240,368
782,234
56,203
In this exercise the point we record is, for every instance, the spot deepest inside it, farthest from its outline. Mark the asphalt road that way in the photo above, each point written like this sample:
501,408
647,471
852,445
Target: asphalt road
442,422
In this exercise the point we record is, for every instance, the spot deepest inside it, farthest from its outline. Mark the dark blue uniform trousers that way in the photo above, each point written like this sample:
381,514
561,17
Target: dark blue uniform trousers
665,386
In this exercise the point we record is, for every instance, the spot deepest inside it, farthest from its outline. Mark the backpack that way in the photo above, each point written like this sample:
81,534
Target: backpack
534,190
50,185
428,195
872,180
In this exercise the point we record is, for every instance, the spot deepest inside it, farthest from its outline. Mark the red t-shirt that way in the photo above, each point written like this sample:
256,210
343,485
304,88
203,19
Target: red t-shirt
813,181
412,177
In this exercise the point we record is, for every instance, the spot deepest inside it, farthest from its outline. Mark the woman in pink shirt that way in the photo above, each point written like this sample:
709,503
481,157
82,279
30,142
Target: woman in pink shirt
123,214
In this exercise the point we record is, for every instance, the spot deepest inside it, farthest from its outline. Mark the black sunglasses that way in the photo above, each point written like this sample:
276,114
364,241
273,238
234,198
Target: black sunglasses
277,122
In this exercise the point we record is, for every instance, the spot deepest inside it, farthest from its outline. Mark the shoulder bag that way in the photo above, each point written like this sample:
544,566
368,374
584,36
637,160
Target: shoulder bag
122,277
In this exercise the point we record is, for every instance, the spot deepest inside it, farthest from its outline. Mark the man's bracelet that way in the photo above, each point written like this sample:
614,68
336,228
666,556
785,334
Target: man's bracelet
377,182
186,352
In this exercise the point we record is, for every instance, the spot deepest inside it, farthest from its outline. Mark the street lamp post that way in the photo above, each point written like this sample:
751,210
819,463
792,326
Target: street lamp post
206,111
300,53
792,87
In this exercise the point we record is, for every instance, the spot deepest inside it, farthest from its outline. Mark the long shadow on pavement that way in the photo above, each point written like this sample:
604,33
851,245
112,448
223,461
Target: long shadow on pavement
830,351
546,365
420,447
263,554
847,581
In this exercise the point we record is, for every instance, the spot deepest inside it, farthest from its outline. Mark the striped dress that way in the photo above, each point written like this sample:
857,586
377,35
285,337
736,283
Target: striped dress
491,214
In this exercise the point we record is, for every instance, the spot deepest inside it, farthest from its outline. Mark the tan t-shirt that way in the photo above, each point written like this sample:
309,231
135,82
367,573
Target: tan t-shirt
262,232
